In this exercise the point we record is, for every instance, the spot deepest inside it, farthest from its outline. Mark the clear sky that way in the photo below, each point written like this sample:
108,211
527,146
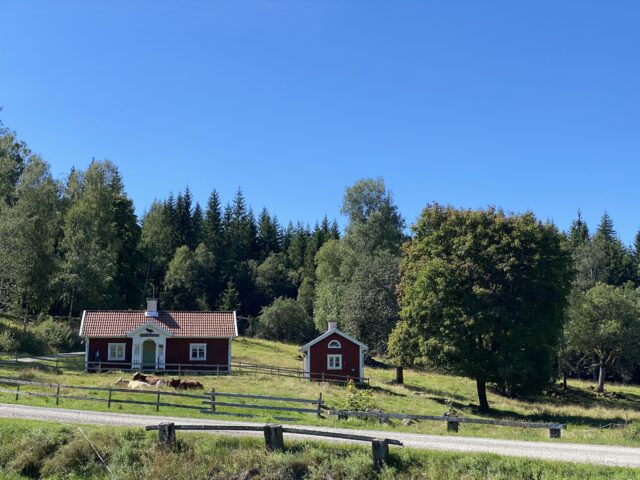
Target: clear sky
524,105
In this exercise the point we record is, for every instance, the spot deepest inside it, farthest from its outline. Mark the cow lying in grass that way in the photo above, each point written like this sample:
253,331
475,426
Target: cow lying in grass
150,380
185,384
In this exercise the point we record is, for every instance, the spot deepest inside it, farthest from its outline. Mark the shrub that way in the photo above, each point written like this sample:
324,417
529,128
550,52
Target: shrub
285,320
56,336
8,342
632,431
358,400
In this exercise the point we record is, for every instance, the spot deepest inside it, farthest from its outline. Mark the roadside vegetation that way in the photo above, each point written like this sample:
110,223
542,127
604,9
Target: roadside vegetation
44,450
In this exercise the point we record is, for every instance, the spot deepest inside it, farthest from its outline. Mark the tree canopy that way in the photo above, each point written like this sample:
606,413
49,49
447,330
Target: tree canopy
483,294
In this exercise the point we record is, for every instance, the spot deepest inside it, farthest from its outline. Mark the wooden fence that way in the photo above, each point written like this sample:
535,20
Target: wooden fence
209,398
453,423
78,364
274,438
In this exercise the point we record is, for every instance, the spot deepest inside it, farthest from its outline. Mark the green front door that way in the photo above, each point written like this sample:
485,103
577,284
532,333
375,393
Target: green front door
149,354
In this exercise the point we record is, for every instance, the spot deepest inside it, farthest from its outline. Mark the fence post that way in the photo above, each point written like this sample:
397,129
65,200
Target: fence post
58,394
217,370
179,369
554,433
17,391
213,399
452,426
323,376
319,405
158,402
380,451
167,435
109,399
273,437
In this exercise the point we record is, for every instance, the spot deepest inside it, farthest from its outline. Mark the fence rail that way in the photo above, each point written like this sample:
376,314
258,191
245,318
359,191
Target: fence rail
209,398
274,438
78,364
453,423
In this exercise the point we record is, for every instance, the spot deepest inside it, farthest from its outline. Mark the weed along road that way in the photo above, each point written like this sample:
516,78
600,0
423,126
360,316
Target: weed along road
569,452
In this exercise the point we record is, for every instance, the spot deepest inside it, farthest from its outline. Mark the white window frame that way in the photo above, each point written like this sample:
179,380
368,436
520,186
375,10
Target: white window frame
117,358
335,344
336,365
198,346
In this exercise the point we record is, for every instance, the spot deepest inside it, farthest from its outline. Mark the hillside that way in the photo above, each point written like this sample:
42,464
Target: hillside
589,417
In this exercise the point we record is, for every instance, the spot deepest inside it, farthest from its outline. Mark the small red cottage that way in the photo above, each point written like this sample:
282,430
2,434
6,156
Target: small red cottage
334,355
158,340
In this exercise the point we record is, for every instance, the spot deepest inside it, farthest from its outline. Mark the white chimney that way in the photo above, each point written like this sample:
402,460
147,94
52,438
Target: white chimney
152,307
332,326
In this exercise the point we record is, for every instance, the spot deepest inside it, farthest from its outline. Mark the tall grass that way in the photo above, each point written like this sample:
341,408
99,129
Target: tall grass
43,450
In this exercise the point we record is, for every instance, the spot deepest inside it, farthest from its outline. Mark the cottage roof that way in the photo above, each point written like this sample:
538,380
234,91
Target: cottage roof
306,346
120,323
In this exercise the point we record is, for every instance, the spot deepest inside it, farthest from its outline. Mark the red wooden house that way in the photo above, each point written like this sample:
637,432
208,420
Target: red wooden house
158,340
334,356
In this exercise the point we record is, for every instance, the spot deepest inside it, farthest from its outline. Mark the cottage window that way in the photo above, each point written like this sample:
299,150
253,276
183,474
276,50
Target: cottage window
334,362
116,351
198,351
334,344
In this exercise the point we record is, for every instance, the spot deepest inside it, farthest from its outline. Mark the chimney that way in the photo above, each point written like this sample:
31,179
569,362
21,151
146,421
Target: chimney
332,326
152,307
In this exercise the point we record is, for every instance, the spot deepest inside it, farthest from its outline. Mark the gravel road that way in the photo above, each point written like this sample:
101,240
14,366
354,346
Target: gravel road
569,452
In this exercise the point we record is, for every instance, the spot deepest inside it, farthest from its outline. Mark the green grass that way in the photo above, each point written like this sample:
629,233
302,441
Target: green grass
46,450
587,415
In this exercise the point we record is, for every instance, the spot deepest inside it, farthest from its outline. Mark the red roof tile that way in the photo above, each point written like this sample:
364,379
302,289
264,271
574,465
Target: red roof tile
117,323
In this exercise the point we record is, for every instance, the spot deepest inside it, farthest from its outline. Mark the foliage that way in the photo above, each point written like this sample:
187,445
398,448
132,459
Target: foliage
8,342
483,294
358,399
604,323
285,320
57,336
357,276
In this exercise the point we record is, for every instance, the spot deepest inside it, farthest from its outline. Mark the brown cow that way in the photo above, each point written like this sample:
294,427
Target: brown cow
185,384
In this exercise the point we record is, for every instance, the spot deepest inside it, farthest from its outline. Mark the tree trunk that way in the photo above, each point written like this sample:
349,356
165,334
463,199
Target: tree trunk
601,374
482,395
399,375
564,381
25,319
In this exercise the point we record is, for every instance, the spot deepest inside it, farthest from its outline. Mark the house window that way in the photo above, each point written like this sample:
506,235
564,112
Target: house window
116,351
334,362
334,344
198,351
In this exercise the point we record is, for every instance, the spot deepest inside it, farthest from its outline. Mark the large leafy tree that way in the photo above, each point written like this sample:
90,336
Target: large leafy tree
483,294
357,276
604,323
30,230
100,232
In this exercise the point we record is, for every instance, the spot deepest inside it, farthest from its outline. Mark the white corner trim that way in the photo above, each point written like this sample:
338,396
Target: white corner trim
235,322
361,352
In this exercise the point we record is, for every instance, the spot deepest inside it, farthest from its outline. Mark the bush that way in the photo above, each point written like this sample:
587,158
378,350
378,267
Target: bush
56,336
8,342
285,320
632,431
358,400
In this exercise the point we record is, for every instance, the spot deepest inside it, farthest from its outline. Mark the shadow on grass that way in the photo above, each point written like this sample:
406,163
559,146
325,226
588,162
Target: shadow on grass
434,392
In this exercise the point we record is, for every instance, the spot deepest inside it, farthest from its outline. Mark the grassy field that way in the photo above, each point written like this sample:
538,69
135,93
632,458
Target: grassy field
589,417
44,450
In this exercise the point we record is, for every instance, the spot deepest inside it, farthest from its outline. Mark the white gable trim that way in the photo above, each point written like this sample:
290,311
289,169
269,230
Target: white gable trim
154,326
306,347
82,323
235,323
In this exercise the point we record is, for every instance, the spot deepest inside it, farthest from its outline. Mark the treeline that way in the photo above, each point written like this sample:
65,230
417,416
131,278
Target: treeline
77,244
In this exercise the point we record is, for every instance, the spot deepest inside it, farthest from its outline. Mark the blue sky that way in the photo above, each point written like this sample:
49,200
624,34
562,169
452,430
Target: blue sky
524,105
